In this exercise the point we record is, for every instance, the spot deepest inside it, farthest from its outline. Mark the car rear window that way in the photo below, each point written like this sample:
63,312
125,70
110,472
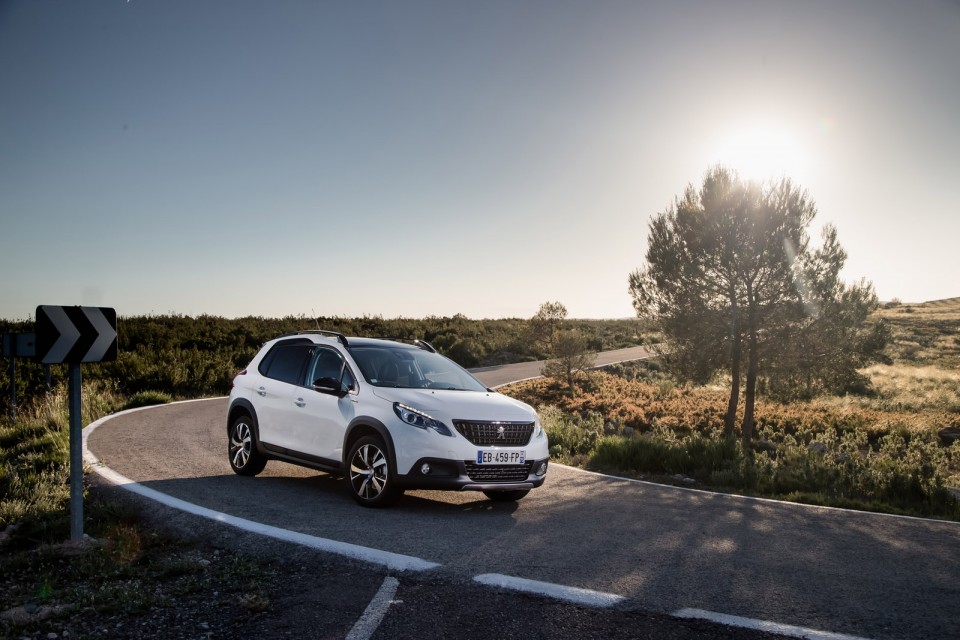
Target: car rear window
285,362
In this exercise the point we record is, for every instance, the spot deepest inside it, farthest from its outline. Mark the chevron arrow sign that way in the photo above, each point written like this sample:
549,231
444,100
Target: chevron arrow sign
76,334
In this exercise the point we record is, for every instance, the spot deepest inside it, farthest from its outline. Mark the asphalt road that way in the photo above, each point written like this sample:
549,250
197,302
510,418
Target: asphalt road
504,374
662,548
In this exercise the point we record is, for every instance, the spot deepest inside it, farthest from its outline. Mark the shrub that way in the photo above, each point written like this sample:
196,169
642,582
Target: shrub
569,436
839,451
692,455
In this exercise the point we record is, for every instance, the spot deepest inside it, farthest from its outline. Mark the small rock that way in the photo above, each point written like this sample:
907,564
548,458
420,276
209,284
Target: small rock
31,613
52,636
7,534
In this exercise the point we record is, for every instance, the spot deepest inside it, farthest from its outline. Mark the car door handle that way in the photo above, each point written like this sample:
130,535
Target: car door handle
262,391
300,402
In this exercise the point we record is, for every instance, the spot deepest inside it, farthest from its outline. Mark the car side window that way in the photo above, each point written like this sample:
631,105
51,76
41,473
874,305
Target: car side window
327,363
286,363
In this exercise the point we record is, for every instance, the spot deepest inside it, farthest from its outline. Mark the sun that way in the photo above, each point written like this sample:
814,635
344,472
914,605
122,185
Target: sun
761,153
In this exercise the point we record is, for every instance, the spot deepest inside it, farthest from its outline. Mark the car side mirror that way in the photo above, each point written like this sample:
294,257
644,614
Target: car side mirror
331,386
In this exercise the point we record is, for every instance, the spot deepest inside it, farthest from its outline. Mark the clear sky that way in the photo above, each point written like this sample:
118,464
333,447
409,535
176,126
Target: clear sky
408,158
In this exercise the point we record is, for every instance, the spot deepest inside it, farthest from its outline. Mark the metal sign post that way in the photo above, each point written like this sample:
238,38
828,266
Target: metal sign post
73,335
74,387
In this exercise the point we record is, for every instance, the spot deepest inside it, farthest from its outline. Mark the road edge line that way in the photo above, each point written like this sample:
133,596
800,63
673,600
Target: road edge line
576,595
393,561
771,501
762,625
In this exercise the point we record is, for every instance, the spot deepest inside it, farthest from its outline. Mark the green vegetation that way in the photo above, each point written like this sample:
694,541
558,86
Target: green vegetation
895,448
188,357
34,453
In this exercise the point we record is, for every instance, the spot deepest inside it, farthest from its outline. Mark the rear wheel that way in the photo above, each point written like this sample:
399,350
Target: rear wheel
371,483
242,449
506,496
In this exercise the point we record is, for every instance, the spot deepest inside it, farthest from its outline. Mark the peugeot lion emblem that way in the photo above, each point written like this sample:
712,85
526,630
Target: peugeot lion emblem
500,432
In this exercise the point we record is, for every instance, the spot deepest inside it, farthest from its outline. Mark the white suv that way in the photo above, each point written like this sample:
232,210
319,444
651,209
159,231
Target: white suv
386,414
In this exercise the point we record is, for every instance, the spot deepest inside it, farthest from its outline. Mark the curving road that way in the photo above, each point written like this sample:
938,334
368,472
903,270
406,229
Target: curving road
663,548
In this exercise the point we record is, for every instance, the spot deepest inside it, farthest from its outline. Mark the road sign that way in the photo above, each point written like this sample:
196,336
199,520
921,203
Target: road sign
19,345
76,334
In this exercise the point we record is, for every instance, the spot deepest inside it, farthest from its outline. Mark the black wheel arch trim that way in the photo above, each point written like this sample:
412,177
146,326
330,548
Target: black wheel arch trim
245,406
366,424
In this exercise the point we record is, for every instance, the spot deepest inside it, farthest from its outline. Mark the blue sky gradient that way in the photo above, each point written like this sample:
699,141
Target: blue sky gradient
433,158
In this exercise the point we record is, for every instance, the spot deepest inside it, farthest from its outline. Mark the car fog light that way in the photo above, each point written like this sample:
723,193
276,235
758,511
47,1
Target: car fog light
542,469
425,469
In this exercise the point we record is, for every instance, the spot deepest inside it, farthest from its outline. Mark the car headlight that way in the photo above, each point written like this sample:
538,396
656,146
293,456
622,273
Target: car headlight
538,431
419,419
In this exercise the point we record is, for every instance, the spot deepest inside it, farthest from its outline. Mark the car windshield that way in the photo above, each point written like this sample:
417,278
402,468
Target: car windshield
412,368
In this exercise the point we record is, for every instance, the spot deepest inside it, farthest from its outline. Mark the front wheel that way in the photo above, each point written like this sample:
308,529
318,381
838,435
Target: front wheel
371,483
242,449
506,496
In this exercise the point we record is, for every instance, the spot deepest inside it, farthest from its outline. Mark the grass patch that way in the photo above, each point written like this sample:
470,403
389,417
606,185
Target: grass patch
34,460
147,398
134,583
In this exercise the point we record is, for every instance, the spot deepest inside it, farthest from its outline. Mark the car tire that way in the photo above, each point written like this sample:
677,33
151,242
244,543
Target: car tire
242,452
370,480
506,496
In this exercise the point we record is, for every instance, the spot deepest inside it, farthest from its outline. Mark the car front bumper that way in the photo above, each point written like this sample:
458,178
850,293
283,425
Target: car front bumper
465,475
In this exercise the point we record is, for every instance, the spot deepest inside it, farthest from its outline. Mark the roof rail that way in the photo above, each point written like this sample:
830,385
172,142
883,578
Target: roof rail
333,334
423,344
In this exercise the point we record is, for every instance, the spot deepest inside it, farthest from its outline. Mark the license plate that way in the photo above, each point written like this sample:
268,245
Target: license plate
493,456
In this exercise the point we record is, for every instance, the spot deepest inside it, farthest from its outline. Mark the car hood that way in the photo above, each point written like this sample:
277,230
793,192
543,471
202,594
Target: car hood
447,405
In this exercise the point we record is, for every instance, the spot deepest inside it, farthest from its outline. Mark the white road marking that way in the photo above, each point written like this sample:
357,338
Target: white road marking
771,501
393,561
762,625
586,597
373,614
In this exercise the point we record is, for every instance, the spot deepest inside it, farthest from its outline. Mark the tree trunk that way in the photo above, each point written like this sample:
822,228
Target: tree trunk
735,355
750,395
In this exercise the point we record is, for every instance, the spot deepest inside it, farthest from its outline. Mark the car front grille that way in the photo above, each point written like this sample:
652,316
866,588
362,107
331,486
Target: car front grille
498,472
495,434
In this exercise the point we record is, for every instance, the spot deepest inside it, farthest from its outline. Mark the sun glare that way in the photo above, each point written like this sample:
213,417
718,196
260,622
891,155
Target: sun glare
760,153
